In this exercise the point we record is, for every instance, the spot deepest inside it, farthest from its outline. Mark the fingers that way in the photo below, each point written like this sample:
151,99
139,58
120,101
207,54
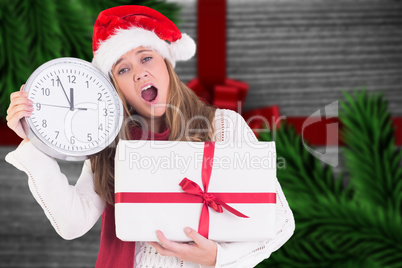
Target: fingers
19,107
17,99
18,113
205,249
165,247
196,237
19,93
20,101
167,244
161,250
202,251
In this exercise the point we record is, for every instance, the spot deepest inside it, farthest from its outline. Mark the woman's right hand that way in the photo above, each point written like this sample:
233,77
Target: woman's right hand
20,106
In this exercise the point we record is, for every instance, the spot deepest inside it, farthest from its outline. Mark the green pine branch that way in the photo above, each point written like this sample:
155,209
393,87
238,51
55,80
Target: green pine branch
93,7
304,176
333,235
33,32
170,10
337,226
13,51
370,155
42,24
76,30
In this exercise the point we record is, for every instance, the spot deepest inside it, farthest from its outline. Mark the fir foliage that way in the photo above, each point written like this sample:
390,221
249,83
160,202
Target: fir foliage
357,225
35,31
370,156
170,10
41,23
13,52
76,28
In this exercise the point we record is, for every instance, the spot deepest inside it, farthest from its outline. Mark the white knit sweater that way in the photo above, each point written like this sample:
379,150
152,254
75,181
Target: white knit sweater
73,210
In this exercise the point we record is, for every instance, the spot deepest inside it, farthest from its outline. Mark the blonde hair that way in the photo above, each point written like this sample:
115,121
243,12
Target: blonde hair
187,117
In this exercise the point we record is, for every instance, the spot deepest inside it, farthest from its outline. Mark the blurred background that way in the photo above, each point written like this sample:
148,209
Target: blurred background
336,65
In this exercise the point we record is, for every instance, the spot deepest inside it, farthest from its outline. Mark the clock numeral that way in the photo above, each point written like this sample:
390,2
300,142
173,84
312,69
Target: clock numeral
104,112
89,137
99,96
72,140
45,91
57,81
44,123
87,82
38,106
100,127
71,79
57,134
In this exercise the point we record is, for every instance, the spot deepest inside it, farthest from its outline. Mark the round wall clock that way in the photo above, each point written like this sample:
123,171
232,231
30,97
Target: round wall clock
77,111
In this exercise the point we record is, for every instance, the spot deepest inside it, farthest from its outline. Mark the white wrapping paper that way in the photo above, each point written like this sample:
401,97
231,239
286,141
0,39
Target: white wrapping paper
159,167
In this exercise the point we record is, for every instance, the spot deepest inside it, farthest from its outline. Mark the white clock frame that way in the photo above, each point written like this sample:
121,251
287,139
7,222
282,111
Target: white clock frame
111,108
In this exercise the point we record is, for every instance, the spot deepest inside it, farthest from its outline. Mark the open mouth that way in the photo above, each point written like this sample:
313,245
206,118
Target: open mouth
149,93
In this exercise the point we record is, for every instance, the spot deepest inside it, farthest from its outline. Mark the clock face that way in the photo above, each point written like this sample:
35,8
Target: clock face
77,111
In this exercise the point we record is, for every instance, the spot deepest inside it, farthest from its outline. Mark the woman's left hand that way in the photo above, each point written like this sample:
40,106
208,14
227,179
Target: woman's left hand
202,251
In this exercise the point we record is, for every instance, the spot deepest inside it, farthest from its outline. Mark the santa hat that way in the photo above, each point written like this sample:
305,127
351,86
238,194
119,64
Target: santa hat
121,29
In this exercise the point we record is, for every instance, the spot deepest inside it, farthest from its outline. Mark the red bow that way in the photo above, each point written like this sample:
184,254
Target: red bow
210,200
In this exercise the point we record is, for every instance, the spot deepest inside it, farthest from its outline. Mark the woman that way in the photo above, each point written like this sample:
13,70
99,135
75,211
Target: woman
137,47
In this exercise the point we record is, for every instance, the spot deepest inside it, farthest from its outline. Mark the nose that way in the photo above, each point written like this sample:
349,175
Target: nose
140,73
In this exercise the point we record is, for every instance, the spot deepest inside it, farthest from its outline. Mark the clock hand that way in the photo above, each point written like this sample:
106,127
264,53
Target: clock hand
65,94
59,106
72,99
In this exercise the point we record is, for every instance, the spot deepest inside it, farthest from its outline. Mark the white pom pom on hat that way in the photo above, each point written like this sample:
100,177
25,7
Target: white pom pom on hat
121,29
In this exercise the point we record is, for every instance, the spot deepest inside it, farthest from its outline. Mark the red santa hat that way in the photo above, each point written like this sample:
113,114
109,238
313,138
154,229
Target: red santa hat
121,29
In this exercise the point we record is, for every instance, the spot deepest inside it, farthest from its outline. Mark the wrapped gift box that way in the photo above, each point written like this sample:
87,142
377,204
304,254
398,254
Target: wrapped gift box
210,187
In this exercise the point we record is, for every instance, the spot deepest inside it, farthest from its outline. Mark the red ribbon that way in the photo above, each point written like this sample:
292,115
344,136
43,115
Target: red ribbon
212,85
158,197
209,200
230,94
194,194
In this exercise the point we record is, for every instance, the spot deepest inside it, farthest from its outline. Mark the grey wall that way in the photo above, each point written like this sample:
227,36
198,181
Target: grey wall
301,55
27,239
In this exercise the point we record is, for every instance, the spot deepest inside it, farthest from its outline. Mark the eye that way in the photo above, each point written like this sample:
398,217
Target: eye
122,71
146,59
